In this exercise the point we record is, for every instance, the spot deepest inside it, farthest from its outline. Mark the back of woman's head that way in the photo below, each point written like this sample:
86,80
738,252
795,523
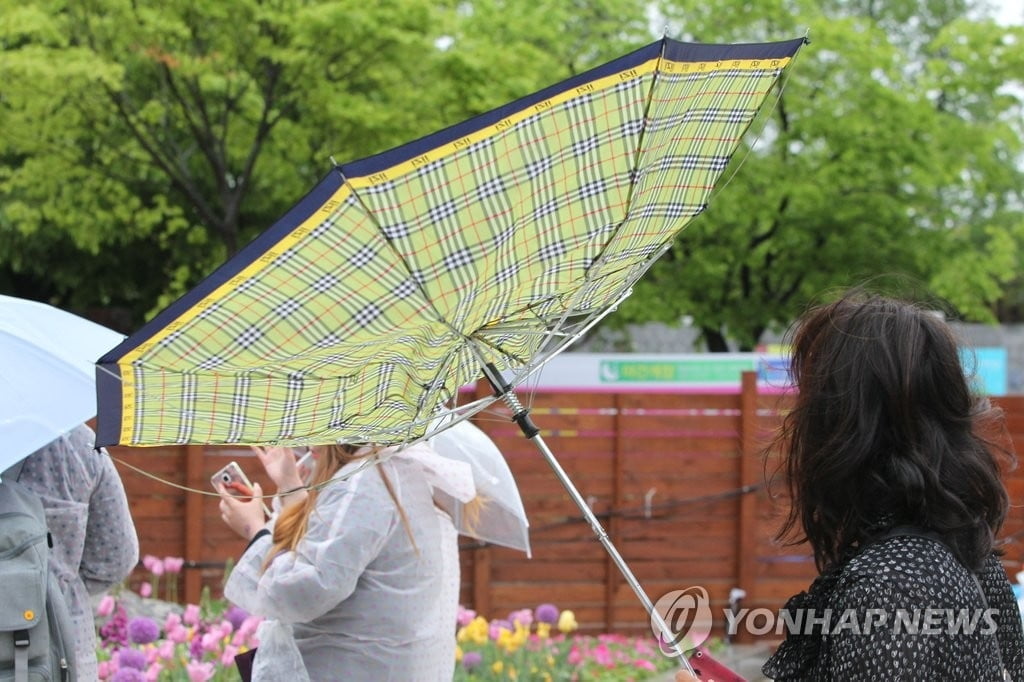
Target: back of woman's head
884,432
292,522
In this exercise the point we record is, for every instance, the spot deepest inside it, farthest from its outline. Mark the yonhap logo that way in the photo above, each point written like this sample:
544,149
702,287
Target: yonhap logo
687,614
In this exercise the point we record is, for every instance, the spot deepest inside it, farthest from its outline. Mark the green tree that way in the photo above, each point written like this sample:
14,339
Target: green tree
894,148
145,142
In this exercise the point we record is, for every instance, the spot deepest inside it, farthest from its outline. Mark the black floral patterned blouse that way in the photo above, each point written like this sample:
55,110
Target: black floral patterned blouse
903,609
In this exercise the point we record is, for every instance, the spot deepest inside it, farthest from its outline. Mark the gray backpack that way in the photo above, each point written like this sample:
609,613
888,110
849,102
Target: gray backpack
37,642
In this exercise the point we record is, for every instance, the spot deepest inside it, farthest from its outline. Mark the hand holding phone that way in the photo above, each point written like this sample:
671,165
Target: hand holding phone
236,483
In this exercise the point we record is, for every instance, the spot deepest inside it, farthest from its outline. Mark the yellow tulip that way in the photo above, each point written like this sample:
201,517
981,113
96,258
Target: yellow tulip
543,630
506,641
475,632
458,654
567,622
520,636
497,667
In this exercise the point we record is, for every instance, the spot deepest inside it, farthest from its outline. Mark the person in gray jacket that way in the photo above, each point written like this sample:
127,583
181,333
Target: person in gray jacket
94,541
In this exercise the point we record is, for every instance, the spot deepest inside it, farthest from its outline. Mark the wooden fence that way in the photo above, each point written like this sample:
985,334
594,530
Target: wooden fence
677,480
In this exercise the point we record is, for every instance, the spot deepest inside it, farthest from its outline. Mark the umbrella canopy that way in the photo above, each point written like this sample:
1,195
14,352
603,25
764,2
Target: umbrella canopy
47,384
497,241
500,518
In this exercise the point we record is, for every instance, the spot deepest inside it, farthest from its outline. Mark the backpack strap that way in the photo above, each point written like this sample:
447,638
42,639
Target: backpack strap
21,642
912,531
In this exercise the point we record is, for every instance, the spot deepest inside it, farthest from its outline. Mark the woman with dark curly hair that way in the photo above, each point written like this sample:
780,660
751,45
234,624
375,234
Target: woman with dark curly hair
899,495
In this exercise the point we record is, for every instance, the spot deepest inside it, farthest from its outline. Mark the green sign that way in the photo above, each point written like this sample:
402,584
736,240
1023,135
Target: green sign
704,370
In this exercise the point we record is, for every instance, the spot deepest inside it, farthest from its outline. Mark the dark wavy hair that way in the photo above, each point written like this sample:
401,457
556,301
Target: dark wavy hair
886,431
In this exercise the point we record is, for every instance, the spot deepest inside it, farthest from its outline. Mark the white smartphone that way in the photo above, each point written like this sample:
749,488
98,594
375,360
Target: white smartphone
237,483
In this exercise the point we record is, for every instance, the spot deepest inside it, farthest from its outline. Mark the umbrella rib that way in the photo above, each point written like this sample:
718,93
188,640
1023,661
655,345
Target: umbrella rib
600,259
395,252
397,256
717,189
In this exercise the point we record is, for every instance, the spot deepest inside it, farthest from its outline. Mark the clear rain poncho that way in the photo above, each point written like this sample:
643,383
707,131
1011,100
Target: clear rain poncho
357,600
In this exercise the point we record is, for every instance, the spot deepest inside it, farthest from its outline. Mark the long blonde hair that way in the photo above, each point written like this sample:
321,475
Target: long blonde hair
293,522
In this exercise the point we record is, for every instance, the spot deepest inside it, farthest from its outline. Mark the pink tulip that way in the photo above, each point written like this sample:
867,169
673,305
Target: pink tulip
224,628
153,672
245,636
227,659
105,669
178,634
211,641
165,650
644,664
173,564
145,589
464,616
106,606
150,562
523,616
199,672
191,616
172,621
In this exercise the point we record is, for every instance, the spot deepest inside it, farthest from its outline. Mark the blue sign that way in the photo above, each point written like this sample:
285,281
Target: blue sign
988,368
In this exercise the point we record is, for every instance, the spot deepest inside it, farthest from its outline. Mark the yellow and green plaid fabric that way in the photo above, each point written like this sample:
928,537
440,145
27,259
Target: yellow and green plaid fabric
384,291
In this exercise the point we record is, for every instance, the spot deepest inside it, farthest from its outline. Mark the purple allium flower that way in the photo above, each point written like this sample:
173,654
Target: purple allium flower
195,649
131,658
236,617
471,659
143,630
128,675
547,613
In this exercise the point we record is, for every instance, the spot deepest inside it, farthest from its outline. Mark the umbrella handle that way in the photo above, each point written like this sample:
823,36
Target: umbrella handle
521,416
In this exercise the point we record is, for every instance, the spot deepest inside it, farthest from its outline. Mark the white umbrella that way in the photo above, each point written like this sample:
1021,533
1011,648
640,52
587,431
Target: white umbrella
47,374
500,519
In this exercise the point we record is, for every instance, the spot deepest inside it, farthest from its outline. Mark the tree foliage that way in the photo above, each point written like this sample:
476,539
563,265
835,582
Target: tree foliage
895,148
145,142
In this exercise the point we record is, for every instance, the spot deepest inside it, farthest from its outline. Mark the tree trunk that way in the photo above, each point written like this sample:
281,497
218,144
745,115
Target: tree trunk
714,339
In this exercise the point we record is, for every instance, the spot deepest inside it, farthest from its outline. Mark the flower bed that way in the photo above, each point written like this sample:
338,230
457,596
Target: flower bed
540,645
198,642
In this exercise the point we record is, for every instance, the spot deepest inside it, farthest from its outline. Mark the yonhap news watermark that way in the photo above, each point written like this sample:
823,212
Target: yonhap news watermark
690,619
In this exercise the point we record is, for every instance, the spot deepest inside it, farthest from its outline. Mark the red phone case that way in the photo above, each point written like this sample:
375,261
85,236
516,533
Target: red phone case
234,479
709,669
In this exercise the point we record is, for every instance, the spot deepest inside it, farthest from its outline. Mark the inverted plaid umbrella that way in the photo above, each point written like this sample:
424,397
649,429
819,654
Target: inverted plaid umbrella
485,248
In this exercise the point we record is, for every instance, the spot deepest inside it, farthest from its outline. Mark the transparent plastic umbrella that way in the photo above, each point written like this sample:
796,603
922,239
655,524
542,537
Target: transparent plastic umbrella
500,518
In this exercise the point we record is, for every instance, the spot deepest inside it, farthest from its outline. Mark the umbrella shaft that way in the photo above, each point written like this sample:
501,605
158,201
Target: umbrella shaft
521,416
666,634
